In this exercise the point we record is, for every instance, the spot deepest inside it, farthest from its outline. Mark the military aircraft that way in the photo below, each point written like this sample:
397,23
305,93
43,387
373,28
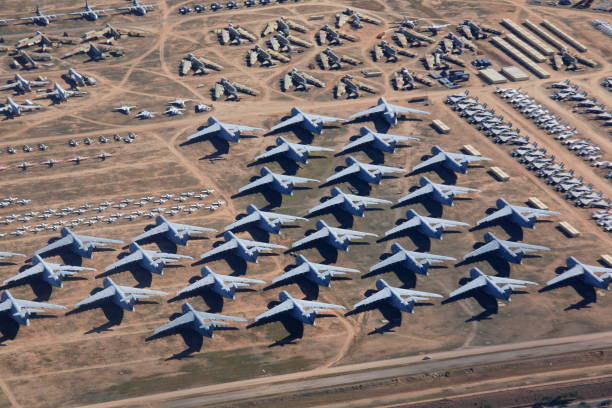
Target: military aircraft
81,245
125,109
201,322
327,35
337,237
40,18
80,79
320,274
304,311
380,141
350,87
432,227
12,108
370,173
300,81
225,131
294,151
108,31
352,204
282,25
177,233
434,29
223,285
401,299
490,285
453,161
267,221
22,85
265,57
89,13
279,182
245,249
44,40
138,9
509,250
96,52
596,276
311,122
417,262
234,35
123,296
59,94
231,89
523,216
354,19
388,111
198,65
442,193
152,261
51,273
330,60
20,310
4,255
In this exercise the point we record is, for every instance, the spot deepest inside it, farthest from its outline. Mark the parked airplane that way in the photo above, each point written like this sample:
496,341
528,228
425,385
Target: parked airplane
442,193
138,9
523,216
20,310
416,262
223,285
490,285
79,79
125,109
201,322
312,123
4,255
247,250
370,173
596,276
389,112
22,85
401,299
279,182
123,296
51,273
337,237
352,204
40,18
89,13
81,245
509,250
319,274
12,108
152,261
294,151
432,227
304,311
60,94
225,131
267,221
452,161
380,141
177,233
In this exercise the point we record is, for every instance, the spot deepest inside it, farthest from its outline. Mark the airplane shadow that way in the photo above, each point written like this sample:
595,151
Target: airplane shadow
362,188
140,274
345,219
587,292
487,302
289,166
163,243
434,208
273,197
238,265
8,329
421,241
256,233
327,251
514,231
448,176
375,155
501,266
303,135
380,125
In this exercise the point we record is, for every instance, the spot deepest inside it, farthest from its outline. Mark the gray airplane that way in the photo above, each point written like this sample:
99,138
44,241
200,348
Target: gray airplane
304,311
223,285
123,296
400,299
596,276
522,216
245,249
21,85
20,310
370,173
81,245
89,13
4,255
125,109
53,274
279,182
267,221
40,18
380,141
490,285
416,262
337,237
319,274
310,122
80,79
59,94
138,9
294,151
388,111
352,204
177,233
432,227
225,131
201,322
12,108
509,250
453,161
442,193
152,261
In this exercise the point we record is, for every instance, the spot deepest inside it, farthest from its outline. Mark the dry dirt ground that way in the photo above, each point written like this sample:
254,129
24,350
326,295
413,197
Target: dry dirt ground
83,358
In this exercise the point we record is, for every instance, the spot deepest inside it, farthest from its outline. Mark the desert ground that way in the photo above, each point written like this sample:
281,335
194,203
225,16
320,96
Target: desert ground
91,357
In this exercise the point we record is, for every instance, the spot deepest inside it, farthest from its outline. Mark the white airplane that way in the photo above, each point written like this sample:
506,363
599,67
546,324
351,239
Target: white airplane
595,276
417,262
138,9
303,310
312,123
177,233
432,227
523,216
370,173
223,285
401,299
12,108
442,193
125,109
509,250
279,182
337,237
152,261
123,296
380,141
247,250
452,161
22,85
267,221
352,204
388,111
319,274
491,285
20,310
294,151
4,255
225,131
81,245
51,273
201,322
60,94
78,79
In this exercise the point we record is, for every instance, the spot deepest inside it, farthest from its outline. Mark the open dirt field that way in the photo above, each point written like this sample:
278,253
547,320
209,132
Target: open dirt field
85,358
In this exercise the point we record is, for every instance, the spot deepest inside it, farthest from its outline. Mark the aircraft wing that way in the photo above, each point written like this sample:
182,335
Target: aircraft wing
436,222
239,128
200,283
474,284
417,293
228,246
501,213
257,183
417,193
384,169
298,270
401,109
535,211
243,221
352,169
509,281
28,107
352,233
129,290
570,273
295,179
526,247
294,120
4,306
467,157
206,131
30,304
160,229
34,270
260,245
103,294
411,223
62,242
337,200
322,233
359,141
368,200
176,323
286,306
214,316
131,258
377,297
192,229
438,158
488,247
9,86
96,240
393,259
273,152
318,305
324,119
369,111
